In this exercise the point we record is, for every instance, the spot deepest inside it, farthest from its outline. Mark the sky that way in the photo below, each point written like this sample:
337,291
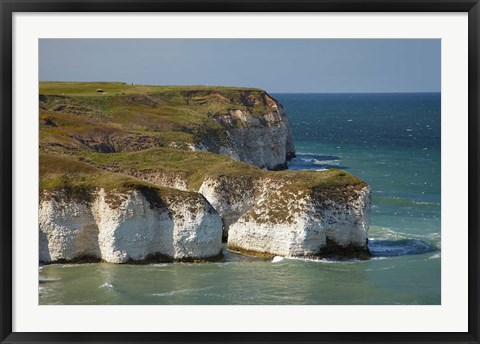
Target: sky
275,65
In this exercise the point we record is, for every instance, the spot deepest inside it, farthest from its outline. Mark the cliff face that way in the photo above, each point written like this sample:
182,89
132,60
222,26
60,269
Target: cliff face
264,217
244,124
311,228
122,227
263,140
140,173
231,196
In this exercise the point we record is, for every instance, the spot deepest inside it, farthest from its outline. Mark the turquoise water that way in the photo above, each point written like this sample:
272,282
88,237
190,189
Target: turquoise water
392,141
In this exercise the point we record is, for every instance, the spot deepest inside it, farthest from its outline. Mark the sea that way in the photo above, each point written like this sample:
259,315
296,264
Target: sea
391,141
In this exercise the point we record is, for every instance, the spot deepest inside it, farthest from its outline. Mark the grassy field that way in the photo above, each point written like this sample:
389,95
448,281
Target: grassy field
119,88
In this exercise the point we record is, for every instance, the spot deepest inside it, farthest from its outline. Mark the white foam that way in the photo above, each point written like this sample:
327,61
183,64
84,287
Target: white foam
181,291
326,261
106,285
435,256
48,279
277,259
380,269
425,203
321,162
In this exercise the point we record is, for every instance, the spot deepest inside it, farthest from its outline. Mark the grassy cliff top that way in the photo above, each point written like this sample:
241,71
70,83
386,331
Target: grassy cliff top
110,139
114,97
73,115
78,180
122,88
111,171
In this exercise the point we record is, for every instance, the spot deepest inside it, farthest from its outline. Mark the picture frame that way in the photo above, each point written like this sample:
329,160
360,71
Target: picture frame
8,8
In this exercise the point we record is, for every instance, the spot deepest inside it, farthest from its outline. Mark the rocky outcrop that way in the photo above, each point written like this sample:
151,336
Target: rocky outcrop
261,139
262,216
125,227
247,125
285,213
303,225
137,173
231,196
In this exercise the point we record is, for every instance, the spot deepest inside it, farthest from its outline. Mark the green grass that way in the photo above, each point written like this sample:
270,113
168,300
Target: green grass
121,88
179,115
79,180
140,122
197,166
194,166
64,172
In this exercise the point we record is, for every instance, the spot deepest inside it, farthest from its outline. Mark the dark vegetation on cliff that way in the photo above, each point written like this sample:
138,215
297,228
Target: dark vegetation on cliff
117,136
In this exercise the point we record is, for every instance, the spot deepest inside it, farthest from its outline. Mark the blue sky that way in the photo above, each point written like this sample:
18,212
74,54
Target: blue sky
276,65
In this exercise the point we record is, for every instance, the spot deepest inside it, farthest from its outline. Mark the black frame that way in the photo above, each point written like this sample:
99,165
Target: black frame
8,7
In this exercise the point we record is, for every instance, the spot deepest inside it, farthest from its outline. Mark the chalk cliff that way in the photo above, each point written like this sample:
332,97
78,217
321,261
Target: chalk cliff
121,227
142,173
261,139
304,225
280,216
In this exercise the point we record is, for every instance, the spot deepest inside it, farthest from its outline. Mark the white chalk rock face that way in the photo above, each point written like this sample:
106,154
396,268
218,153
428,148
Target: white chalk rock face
263,140
300,225
230,196
347,224
67,230
300,235
119,228
130,229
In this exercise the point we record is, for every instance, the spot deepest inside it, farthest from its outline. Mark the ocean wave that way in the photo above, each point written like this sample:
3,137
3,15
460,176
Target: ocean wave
277,259
48,279
182,291
310,161
319,162
388,234
325,162
425,203
332,157
435,256
380,269
324,260
393,248
384,233
405,202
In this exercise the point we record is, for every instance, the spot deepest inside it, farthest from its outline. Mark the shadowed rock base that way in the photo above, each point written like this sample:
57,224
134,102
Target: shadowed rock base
151,259
334,251
250,252
331,251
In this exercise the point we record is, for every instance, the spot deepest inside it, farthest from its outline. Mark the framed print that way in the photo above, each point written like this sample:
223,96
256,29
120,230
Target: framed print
239,171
